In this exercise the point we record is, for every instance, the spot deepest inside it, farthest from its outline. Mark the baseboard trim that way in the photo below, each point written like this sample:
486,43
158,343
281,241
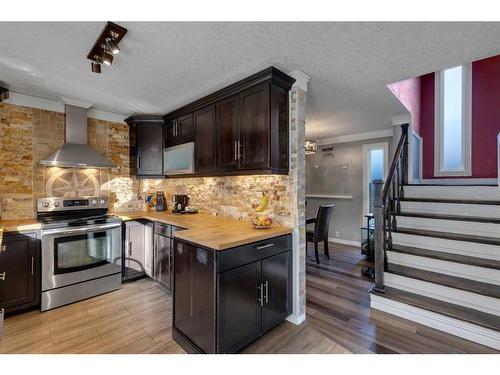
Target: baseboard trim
297,319
344,242
465,330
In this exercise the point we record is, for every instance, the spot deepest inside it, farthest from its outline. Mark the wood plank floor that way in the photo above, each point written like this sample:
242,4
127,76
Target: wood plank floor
137,319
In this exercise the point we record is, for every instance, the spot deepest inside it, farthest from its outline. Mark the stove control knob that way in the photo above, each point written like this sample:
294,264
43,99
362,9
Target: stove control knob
56,204
45,204
102,201
94,201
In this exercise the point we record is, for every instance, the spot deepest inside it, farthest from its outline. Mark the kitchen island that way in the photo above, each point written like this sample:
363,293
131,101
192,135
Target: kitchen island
231,282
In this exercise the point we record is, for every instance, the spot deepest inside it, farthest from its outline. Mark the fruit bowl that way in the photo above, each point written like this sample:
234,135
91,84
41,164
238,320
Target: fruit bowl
262,220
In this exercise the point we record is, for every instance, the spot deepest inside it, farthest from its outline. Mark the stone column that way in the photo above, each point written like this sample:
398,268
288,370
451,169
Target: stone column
297,174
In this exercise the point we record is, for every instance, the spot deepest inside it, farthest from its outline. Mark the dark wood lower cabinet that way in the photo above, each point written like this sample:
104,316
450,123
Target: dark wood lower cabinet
19,272
224,300
239,308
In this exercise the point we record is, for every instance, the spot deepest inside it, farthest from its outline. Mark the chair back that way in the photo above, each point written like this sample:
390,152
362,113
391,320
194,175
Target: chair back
323,217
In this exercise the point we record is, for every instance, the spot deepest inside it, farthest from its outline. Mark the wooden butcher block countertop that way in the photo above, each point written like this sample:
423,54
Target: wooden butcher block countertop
215,232
18,226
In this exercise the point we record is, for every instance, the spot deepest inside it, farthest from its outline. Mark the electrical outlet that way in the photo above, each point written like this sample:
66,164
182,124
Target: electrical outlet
337,234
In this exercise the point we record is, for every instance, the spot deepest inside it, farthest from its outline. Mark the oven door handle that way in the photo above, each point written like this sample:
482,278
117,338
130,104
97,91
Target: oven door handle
91,228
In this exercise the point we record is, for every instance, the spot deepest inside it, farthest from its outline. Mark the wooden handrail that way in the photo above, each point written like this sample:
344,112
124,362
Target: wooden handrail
387,206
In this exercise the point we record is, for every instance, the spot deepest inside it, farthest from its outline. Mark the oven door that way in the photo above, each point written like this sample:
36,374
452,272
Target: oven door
74,255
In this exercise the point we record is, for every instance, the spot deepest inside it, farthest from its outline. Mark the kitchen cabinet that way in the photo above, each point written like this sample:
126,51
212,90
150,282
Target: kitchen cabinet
224,300
148,148
138,249
163,254
228,119
205,149
179,130
19,272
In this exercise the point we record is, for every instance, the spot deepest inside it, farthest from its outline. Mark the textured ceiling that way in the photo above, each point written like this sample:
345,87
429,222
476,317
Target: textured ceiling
166,64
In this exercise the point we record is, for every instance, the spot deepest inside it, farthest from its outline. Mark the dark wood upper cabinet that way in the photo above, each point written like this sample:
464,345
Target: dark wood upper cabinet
240,129
148,147
254,152
179,130
205,148
228,129
20,271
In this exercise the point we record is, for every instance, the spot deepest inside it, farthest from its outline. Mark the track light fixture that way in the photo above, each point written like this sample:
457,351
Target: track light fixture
96,66
112,46
107,57
106,46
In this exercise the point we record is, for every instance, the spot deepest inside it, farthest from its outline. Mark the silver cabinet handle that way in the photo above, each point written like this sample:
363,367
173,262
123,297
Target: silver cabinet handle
261,290
3,276
3,248
130,248
32,266
266,294
235,150
240,147
265,246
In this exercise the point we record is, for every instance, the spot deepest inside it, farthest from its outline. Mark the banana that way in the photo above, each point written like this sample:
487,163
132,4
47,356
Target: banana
264,203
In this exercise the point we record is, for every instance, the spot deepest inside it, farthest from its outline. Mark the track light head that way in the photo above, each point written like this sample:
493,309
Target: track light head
96,67
112,46
107,58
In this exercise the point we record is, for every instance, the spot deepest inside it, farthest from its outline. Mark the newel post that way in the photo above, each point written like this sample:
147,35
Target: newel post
379,236
404,155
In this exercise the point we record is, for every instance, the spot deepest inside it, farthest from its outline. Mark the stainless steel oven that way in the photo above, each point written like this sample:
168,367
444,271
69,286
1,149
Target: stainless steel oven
81,256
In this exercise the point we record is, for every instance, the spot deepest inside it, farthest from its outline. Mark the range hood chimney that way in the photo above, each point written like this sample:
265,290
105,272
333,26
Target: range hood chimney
75,153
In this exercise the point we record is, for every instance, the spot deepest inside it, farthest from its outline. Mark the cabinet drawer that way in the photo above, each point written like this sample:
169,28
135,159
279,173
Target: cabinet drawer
163,229
238,256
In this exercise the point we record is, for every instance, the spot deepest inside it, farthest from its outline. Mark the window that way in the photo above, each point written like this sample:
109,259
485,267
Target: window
452,122
374,168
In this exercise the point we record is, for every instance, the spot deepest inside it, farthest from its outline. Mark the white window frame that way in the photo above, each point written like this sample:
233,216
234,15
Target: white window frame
367,148
411,153
465,170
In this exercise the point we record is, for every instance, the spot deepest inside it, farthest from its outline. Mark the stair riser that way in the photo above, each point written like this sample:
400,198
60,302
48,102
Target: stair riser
471,228
484,275
478,193
454,209
437,321
470,300
466,248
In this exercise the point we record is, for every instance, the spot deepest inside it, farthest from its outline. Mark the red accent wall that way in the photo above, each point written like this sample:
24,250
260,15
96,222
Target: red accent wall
485,118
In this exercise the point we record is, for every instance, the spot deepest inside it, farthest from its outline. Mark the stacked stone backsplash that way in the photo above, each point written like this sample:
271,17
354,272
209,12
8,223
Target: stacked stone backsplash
27,135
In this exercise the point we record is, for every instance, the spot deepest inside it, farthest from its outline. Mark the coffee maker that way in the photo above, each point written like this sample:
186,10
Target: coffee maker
180,202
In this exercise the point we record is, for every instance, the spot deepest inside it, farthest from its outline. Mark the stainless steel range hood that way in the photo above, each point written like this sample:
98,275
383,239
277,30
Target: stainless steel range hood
75,153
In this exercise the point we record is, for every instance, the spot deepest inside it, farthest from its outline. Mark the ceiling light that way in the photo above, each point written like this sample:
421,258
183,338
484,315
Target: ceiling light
107,58
311,147
96,67
112,46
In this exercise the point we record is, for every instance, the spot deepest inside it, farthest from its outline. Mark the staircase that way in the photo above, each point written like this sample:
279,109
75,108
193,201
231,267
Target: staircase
441,258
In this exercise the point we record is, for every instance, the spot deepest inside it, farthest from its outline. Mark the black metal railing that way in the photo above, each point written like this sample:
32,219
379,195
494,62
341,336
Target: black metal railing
388,205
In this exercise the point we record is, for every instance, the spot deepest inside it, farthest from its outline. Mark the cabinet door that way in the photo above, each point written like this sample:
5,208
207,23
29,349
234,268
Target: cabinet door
228,118
18,266
163,256
255,127
194,294
276,281
138,248
185,128
239,307
169,133
150,149
205,140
